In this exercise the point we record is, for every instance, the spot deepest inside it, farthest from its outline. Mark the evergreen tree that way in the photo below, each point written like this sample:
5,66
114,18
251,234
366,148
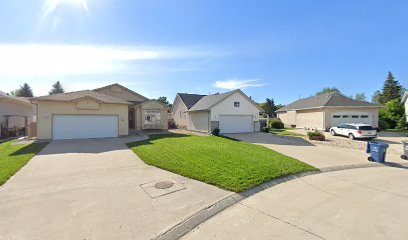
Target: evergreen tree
24,91
56,88
391,89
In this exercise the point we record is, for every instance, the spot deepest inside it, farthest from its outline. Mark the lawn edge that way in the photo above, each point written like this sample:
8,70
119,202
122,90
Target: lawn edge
29,160
191,222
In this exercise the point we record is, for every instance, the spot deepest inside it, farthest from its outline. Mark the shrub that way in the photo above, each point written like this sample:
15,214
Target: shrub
265,129
172,124
316,135
383,124
215,132
276,124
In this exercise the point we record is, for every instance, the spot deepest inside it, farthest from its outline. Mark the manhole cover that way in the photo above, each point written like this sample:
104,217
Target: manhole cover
164,185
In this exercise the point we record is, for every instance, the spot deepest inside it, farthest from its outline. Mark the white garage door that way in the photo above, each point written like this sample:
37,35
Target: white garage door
236,124
355,117
84,126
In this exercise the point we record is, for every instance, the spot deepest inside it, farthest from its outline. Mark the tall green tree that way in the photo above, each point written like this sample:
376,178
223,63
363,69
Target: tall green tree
376,97
391,89
360,97
393,113
164,101
327,90
269,107
56,88
23,91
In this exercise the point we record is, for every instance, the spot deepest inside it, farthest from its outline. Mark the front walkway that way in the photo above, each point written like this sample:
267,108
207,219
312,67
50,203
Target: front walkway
92,189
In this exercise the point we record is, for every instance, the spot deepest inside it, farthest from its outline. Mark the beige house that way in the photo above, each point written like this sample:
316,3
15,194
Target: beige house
16,114
231,112
109,111
328,110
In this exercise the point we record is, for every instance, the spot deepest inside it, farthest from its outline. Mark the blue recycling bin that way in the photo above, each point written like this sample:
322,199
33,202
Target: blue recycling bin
377,151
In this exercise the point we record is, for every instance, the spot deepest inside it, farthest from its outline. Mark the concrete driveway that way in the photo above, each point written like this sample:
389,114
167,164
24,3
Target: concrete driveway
91,189
320,156
369,203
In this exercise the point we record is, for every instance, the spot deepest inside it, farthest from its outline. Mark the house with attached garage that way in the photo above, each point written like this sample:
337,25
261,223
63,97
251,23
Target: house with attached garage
110,111
328,110
231,112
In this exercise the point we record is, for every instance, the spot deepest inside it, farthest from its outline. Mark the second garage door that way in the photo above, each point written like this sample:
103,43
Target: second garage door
236,123
84,126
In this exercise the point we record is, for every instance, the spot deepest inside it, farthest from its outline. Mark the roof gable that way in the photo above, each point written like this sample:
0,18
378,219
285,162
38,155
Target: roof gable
332,99
124,93
210,101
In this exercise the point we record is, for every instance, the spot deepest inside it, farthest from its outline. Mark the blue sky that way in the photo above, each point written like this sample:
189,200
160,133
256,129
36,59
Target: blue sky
275,49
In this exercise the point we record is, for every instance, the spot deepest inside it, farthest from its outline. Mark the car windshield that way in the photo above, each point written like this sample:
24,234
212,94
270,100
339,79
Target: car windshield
365,128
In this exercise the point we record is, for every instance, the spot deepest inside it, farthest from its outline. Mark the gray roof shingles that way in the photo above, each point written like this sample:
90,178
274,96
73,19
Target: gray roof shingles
71,96
190,99
208,101
333,99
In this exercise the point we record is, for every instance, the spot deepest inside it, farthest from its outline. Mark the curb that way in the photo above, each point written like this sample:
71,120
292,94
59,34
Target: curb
187,225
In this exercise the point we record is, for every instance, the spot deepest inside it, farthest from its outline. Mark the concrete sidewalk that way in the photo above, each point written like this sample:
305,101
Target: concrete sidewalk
319,156
370,203
91,189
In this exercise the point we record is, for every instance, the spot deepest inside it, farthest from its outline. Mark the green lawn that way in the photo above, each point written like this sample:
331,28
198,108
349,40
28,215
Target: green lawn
14,157
285,132
396,130
229,164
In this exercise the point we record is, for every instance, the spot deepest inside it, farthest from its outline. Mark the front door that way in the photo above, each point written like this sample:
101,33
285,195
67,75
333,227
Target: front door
131,118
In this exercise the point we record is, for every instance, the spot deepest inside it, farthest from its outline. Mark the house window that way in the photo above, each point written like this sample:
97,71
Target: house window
345,116
354,116
180,114
336,116
152,119
364,116
236,104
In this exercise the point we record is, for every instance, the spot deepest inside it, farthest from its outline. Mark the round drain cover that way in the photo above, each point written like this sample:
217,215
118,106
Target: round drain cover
164,185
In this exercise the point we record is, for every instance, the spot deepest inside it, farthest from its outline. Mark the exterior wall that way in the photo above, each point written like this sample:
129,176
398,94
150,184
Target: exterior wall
10,107
214,125
46,109
138,118
313,118
329,112
153,105
288,118
226,107
199,121
257,126
120,93
180,116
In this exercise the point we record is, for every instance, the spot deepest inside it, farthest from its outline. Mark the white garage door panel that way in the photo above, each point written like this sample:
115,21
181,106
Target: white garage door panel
342,118
236,124
84,126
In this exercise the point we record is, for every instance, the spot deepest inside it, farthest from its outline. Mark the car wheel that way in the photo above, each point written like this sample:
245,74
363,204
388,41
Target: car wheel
351,136
370,159
333,133
404,157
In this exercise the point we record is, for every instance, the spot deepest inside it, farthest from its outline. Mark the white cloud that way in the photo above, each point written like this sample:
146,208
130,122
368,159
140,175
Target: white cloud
232,84
39,60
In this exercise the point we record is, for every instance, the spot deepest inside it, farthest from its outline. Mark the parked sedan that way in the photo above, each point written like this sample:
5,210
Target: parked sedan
354,130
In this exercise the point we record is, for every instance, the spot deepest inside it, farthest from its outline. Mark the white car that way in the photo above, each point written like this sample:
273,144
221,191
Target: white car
354,130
